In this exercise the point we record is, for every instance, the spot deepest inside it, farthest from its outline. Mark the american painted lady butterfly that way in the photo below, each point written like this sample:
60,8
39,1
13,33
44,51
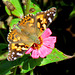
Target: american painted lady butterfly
27,32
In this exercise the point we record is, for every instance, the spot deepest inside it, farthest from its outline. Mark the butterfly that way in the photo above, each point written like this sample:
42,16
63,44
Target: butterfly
27,31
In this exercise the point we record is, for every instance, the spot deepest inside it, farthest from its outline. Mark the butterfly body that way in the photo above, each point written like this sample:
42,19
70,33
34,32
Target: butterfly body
27,32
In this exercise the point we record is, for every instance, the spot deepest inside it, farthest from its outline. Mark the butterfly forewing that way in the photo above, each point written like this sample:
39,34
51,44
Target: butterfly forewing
44,19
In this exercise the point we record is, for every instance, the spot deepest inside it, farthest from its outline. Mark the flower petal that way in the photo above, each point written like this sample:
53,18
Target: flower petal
46,33
44,51
49,42
51,39
29,50
35,54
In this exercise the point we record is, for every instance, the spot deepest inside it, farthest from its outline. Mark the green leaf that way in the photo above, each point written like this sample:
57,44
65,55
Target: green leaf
18,9
34,8
5,65
2,25
30,64
54,56
72,14
3,56
8,73
31,7
7,10
15,8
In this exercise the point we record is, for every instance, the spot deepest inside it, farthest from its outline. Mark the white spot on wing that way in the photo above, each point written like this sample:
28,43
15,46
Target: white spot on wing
24,48
12,56
19,54
50,20
9,57
53,14
48,14
45,11
13,53
9,51
15,58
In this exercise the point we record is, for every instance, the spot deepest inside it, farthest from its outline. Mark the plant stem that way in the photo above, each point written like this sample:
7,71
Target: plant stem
31,72
27,7
15,69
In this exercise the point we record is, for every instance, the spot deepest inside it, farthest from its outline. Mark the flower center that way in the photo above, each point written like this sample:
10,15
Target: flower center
37,46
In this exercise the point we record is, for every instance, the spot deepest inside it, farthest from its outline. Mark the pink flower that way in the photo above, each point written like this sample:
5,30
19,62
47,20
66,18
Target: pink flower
47,43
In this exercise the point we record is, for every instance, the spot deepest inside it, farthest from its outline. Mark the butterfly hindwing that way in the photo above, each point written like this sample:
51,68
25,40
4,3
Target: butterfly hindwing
16,50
